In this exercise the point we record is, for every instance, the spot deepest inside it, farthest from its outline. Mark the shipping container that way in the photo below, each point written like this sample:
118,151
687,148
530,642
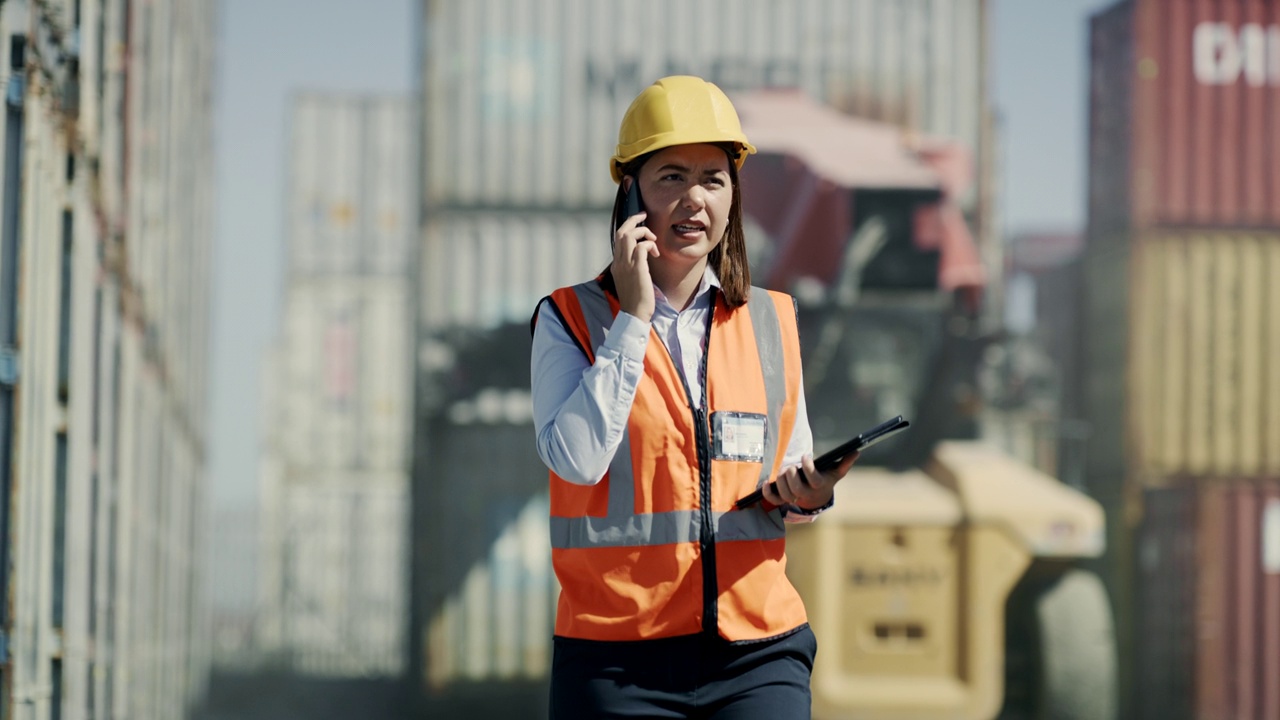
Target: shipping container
483,611
1209,577
344,380
1185,95
522,100
350,187
482,270
337,396
232,559
497,624
1165,635
105,314
1111,80
1203,381
343,573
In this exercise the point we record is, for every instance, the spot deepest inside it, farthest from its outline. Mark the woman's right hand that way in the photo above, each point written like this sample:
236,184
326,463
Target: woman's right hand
633,245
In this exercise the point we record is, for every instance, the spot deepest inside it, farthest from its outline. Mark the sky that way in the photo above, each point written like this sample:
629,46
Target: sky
269,49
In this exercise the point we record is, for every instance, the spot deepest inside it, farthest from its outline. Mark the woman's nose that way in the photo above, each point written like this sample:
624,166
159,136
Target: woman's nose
695,197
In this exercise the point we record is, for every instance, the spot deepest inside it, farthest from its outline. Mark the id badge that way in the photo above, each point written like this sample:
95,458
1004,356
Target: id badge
738,436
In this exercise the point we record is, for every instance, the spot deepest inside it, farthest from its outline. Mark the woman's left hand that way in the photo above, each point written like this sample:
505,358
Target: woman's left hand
811,490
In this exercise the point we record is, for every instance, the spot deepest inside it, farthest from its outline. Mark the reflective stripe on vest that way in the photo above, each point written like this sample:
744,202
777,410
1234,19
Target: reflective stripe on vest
623,526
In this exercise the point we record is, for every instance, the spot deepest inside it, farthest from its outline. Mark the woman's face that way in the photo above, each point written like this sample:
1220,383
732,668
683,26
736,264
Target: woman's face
687,195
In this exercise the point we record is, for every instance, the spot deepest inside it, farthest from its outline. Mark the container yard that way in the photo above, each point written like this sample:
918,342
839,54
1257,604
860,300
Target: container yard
104,322
1083,523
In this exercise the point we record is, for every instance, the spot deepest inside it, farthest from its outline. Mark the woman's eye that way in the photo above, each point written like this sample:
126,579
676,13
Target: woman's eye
672,176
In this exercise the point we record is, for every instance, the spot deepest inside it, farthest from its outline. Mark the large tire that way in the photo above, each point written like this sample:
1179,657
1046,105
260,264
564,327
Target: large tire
1062,650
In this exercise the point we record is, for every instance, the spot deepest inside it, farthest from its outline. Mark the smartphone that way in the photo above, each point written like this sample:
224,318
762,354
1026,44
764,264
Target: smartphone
631,204
832,458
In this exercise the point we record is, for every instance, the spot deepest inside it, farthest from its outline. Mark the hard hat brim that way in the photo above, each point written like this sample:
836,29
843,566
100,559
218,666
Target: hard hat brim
661,142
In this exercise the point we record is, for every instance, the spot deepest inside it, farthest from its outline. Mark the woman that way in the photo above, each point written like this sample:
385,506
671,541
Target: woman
665,390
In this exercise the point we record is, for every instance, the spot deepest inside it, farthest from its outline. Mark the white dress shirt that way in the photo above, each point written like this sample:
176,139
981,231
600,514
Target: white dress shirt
581,409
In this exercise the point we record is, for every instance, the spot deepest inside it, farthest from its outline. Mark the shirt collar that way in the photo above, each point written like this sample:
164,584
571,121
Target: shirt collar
708,282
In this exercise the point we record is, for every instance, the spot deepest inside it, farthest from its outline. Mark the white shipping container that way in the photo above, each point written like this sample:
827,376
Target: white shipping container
269,605
112,299
522,99
482,270
345,574
351,199
169,214
344,385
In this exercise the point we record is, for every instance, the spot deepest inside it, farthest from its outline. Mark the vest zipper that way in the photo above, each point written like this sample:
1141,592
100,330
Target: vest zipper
710,589
702,438
707,539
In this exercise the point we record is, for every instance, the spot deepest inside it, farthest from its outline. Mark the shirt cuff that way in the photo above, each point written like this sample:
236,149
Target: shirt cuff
629,336
795,513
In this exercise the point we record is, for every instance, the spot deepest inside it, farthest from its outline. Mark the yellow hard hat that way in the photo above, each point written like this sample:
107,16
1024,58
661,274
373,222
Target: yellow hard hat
678,110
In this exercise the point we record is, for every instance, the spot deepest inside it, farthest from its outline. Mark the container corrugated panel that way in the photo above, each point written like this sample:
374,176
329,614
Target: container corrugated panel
168,219
488,604
1107,290
345,377
495,426
1209,583
523,99
1206,102
498,623
351,197
481,270
345,575
1235,665
1110,111
1204,384
1205,83
1165,632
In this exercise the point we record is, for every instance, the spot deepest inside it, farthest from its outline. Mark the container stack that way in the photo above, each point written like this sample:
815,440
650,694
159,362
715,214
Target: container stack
1183,391
106,178
334,573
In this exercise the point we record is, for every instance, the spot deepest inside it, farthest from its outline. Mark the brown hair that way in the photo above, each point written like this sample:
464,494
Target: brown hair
728,258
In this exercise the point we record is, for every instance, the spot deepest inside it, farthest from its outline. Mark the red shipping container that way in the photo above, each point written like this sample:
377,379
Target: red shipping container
1199,83
1208,633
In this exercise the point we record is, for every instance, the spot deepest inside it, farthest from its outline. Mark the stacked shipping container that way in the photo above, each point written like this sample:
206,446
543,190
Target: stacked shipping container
1183,329
1209,601
334,484
520,108
522,100
104,294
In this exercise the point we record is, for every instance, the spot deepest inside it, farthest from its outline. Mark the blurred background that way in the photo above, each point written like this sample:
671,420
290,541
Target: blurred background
267,270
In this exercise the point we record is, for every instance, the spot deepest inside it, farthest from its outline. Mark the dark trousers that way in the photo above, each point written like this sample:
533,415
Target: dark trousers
696,676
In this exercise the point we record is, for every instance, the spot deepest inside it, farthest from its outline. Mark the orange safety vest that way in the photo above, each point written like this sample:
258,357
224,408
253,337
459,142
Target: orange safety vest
656,548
